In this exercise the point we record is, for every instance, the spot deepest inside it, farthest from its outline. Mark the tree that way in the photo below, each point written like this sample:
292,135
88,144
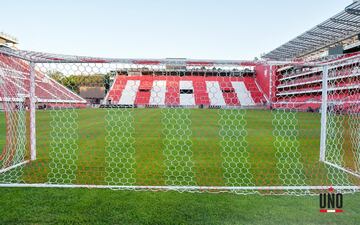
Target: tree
56,75
74,82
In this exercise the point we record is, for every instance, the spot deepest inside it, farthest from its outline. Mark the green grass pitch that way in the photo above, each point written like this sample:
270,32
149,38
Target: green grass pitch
149,140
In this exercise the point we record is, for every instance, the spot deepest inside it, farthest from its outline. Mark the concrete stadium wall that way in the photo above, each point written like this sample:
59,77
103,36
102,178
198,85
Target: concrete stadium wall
263,80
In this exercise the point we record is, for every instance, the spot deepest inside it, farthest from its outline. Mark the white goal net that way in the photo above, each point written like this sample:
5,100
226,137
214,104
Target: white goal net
179,124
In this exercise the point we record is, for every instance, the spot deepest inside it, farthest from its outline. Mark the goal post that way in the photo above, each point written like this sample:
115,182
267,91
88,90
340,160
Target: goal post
32,108
179,124
324,105
341,116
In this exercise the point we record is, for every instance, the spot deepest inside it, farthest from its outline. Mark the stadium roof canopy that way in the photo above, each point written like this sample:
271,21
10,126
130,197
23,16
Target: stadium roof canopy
344,25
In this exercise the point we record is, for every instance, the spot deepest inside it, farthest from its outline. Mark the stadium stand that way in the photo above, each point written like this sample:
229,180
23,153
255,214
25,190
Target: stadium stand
187,91
334,41
49,92
301,87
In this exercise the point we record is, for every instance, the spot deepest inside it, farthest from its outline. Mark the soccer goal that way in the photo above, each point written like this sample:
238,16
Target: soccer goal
179,124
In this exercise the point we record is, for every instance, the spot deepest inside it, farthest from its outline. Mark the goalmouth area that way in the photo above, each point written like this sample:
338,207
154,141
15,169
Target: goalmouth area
184,125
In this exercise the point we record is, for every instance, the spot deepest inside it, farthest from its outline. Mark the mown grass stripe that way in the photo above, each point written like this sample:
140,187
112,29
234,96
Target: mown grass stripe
37,171
148,144
309,147
286,143
234,148
91,162
63,146
334,149
179,164
119,147
206,147
261,148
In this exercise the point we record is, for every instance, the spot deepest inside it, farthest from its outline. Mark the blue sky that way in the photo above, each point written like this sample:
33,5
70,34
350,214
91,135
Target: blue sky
208,29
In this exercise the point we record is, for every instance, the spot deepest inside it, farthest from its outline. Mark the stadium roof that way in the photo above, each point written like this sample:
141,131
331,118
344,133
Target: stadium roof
40,57
344,25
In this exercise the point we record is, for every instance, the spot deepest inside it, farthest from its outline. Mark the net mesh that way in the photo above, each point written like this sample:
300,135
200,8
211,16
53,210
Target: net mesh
14,136
180,125
342,127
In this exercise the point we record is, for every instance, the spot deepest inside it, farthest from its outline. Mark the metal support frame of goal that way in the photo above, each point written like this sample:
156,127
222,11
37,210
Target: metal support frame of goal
323,136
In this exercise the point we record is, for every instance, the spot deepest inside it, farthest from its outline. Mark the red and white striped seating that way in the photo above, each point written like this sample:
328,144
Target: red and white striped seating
15,85
184,91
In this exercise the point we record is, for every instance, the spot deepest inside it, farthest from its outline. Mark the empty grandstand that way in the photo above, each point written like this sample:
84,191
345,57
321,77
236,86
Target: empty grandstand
335,40
280,86
15,82
199,87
